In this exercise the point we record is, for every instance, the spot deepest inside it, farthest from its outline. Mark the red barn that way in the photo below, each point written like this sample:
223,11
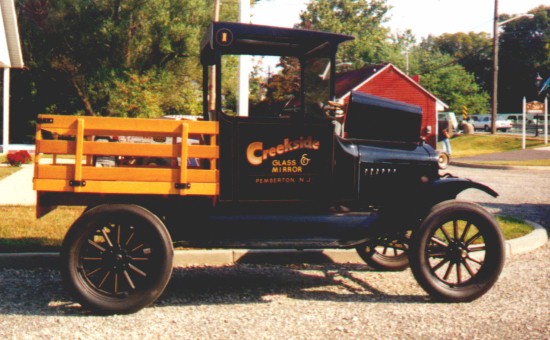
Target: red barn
386,80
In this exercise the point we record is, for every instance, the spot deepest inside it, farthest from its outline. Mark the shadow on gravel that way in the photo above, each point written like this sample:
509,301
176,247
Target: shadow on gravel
258,284
41,292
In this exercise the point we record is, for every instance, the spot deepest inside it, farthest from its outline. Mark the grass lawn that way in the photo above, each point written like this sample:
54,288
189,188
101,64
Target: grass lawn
5,171
473,145
20,231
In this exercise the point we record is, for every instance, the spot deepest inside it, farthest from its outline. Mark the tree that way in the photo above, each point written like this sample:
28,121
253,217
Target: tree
524,53
449,81
110,57
471,50
360,18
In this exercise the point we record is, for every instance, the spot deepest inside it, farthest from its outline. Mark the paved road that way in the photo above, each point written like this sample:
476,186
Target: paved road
523,193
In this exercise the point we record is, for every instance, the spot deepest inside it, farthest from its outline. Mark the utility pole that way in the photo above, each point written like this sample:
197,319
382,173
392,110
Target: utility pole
212,84
494,105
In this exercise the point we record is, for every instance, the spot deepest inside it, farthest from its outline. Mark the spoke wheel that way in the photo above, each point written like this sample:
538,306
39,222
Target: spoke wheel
387,252
457,253
117,258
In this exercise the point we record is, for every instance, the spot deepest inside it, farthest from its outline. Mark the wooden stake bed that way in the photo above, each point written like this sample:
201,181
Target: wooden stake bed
77,137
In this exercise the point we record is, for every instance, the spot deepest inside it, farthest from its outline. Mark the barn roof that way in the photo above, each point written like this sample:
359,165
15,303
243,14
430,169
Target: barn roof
353,80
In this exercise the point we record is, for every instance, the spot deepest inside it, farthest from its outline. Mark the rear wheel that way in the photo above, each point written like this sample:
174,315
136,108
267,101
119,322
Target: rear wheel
117,258
457,253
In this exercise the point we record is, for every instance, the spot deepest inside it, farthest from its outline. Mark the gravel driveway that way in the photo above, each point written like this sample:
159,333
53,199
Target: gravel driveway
522,193
280,302
308,301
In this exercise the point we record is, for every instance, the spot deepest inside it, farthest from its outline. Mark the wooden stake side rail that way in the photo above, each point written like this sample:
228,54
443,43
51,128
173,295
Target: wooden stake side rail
74,136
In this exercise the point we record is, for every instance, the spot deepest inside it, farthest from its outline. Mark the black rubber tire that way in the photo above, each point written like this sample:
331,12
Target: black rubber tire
486,128
387,253
121,273
436,252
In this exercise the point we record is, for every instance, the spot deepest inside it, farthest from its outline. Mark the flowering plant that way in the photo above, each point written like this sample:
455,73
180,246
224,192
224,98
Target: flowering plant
19,157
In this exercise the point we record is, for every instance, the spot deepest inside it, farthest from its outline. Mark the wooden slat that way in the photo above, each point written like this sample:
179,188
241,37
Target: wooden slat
127,187
79,152
184,151
127,126
62,147
149,174
125,180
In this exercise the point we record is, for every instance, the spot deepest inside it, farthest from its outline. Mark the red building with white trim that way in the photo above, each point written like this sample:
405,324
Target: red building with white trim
386,80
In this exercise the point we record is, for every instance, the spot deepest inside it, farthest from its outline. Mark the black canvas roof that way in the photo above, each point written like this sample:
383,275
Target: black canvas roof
238,38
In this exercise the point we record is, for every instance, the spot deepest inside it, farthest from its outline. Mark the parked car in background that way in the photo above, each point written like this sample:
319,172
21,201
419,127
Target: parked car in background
484,123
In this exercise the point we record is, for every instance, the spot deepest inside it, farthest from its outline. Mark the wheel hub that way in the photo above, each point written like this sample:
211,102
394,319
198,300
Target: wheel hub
457,252
117,259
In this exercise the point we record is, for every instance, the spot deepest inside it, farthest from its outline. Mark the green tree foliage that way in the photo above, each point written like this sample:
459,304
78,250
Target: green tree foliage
524,52
136,58
471,50
360,18
286,82
449,81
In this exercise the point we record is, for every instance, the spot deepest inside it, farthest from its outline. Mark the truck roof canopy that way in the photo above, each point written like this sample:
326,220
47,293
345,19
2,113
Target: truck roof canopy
237,38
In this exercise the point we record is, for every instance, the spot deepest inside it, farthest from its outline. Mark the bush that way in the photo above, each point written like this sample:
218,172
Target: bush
19,157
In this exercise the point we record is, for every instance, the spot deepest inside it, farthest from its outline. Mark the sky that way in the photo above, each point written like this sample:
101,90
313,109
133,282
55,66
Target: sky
424,17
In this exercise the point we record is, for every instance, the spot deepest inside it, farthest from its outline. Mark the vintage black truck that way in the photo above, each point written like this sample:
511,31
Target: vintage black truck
294,176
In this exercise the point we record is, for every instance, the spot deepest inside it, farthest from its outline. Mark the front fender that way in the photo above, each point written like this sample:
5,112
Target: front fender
446,188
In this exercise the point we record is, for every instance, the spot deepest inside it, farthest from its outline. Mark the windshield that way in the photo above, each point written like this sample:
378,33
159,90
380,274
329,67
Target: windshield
316,85
291,88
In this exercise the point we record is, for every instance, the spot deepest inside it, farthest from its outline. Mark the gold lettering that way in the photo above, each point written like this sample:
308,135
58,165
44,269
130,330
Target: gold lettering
252,153
256,154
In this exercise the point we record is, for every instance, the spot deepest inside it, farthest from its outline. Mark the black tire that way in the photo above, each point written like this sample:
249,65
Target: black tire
486,128
387,253
117,258
458,252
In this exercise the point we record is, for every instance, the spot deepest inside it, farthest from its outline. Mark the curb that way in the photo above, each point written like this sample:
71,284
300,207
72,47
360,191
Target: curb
535,239
497,167
227,257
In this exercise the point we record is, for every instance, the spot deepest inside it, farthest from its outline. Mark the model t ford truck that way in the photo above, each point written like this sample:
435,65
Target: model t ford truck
287,176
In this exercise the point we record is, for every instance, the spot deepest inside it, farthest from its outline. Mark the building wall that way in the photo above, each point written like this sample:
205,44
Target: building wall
393,85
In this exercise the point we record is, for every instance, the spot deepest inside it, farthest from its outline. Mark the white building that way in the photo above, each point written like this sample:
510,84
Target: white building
10,57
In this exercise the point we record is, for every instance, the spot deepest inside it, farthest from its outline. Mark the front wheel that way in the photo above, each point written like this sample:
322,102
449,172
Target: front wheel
117,259
457,253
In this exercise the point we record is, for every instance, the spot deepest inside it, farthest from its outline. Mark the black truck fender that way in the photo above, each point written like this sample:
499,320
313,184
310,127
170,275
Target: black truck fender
446,188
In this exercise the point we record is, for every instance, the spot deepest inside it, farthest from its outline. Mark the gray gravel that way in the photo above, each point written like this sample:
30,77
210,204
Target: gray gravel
309,301
522,193
295,302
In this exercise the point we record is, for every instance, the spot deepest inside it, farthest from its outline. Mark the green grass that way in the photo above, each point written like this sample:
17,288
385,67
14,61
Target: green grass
513,228
473,145
5,171
20,231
